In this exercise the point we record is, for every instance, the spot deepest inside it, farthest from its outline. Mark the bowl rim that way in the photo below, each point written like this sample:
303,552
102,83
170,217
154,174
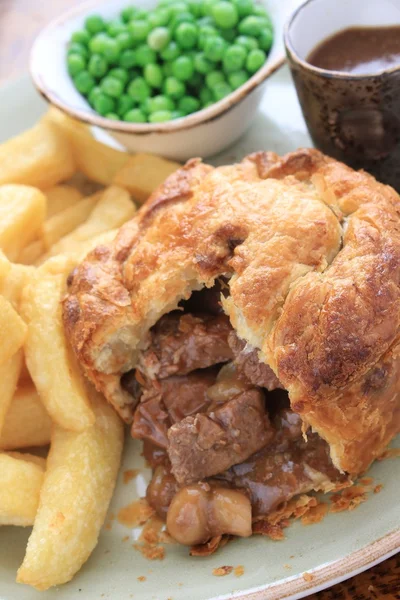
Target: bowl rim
327,73
200,117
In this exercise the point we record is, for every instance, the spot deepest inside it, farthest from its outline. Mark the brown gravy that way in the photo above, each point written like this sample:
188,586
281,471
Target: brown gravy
359,50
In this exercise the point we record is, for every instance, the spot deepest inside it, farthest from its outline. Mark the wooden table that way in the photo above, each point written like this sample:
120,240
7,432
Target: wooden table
20,21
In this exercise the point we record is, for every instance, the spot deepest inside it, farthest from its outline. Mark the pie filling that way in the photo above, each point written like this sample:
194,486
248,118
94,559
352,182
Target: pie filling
217,428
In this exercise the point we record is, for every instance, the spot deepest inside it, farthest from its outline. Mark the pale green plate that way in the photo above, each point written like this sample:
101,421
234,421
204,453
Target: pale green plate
340,546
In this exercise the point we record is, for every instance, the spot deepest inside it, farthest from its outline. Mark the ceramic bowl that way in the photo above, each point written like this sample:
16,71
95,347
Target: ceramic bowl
202,133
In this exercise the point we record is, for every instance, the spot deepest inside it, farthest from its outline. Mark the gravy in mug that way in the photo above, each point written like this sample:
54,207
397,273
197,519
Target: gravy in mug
359,50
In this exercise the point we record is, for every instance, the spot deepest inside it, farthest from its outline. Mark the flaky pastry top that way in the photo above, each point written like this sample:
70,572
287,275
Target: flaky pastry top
312,252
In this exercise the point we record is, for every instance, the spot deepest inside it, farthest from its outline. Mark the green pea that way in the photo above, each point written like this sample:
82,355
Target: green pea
111,50
228,35
111,86
113,116
159,18
234,58
196,81
93,94
220,90
237,78
76,48
145,106
186,35
251,25
153,75
202,64
160,116
177,20
195,7
209,103
213,78
183,68
127,59
139,30
188,104
75,63
115,27
250,43
168,69
207,7
135,115
96,44
94,24
158,39
84,82
139,90
214,48
173,88
121,74
265,39
244,7
145,55
124,103
141,14
125,40
97,65
260,11
205,22
128,13
177,8
204,32
170,52
81,37
103,104
177,114
205,95
255,60
161,102
224,14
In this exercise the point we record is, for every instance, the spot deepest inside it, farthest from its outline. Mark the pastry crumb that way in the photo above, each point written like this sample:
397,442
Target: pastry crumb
308,577
378,488
129,474
288,567
389,453
150,552
239,571
222,571
136,513
315,514
125,538
348,499
141,578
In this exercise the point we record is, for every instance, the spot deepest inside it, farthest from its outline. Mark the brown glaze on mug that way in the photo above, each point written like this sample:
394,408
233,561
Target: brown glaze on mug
354,118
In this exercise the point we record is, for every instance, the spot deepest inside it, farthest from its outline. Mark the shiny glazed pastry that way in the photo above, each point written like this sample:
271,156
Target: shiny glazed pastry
246,322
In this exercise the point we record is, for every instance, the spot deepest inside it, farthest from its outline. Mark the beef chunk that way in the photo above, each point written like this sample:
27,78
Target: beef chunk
181,343
169,401
207,444
249,366
287,466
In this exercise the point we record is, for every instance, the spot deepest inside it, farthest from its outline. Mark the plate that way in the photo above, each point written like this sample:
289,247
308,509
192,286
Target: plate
342,545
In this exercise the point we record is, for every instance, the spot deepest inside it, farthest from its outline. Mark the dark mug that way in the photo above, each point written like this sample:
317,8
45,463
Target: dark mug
352,117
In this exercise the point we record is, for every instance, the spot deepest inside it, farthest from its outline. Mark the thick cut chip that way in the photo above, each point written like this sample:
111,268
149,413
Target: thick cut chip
12,285
112,210
22,213
81,472
143,173
97,161
9,375
61,197
31,253
64,222
50,360
12,330
26,423
20,484
40,156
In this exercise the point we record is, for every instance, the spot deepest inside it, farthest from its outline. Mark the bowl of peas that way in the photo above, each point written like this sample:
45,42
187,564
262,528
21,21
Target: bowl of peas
177,78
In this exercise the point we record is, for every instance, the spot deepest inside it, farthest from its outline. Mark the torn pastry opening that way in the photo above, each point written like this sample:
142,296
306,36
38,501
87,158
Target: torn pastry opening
218,431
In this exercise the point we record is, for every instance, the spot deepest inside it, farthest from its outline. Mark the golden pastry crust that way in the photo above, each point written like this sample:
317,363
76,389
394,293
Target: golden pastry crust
312,249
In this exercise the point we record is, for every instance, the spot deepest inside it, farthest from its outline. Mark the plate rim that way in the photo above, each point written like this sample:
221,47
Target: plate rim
329,574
